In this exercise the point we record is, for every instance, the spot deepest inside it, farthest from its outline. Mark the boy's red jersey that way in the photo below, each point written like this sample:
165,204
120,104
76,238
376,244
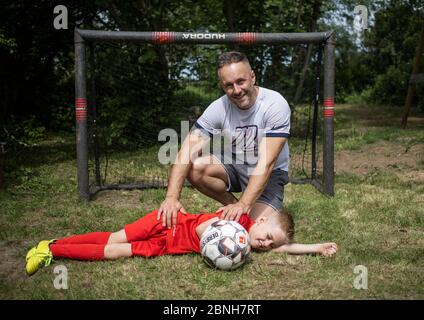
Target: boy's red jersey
149,238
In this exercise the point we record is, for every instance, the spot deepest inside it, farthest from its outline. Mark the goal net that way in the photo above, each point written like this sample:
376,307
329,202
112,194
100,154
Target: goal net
139,93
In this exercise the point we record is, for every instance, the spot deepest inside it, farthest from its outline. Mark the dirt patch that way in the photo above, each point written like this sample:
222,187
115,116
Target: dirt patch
415,121
13,265
385,156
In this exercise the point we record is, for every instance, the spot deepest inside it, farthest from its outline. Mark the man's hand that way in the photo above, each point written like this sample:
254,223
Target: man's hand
169,211
234,211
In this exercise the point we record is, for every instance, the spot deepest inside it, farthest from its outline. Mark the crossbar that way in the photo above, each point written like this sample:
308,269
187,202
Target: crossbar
248,38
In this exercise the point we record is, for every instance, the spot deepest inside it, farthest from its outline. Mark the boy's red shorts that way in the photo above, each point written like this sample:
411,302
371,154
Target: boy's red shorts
147,236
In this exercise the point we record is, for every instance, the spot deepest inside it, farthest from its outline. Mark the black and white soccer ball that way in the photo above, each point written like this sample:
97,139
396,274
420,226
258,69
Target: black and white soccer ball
225,245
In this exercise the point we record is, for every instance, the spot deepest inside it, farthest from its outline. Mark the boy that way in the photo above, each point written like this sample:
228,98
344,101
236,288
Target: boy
148,238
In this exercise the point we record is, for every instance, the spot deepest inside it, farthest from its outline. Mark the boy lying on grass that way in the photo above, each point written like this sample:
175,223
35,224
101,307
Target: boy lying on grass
147,237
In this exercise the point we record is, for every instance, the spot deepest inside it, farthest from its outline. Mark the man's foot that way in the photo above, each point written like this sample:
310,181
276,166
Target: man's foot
327,249
38,256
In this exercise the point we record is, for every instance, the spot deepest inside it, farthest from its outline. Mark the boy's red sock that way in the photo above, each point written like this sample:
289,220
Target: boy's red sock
78,251
88,238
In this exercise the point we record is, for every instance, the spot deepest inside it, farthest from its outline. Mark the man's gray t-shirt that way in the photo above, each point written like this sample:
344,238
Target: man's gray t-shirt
244,129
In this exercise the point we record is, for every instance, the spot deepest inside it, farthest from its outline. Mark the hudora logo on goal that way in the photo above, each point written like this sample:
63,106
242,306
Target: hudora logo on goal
200,36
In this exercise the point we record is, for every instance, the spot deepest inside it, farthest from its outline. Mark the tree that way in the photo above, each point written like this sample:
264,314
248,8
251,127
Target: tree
390,47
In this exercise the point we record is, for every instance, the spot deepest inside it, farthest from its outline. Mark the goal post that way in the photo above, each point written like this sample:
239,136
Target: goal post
85,105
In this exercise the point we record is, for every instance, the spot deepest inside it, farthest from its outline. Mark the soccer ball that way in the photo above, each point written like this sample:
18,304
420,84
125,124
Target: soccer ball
225,245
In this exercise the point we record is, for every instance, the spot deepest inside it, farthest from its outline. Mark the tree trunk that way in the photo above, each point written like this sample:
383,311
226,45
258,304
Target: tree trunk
313,27
298,51
2,179
411,87
229,8
302,76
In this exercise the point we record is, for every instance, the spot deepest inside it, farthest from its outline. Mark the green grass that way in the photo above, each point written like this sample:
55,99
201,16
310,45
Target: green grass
377,220
356,126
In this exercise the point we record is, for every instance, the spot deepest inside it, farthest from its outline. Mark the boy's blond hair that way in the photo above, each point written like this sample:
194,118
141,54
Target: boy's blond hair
284,221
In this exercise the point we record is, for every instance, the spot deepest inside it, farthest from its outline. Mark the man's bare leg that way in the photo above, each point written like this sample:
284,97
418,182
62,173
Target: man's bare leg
209,177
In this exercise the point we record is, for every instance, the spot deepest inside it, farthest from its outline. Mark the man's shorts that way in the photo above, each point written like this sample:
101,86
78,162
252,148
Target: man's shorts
238,178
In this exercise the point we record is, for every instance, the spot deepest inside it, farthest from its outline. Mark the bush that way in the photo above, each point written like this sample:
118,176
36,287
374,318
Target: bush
22,133
62,118
391,87
361,98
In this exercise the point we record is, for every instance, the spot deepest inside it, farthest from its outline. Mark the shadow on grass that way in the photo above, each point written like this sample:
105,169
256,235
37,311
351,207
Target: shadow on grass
53,149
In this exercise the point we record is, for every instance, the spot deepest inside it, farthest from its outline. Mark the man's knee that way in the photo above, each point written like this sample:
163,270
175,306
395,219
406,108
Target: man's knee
195,173
198,170
204,168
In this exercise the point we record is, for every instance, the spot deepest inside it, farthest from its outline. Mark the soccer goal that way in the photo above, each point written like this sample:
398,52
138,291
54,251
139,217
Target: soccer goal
130,86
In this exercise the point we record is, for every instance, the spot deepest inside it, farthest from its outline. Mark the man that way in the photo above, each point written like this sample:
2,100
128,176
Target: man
256,121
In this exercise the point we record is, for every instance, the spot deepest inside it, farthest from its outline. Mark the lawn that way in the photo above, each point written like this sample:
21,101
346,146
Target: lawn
376,217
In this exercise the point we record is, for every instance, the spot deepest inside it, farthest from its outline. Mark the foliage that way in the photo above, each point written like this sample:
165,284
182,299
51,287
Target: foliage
390,87
8,44
359,98
22,133
390,50
37,61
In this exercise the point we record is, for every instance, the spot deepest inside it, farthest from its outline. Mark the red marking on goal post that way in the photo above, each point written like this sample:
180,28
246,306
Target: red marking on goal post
163,37
329,107
246,37
80,109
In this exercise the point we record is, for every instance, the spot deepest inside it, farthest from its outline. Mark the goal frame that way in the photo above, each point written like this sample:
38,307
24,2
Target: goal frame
86,38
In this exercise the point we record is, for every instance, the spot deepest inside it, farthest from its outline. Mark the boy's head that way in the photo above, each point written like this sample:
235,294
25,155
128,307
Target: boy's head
271,231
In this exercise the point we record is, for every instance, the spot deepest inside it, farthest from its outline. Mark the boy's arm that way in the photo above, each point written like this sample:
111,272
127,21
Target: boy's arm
202,227
325,249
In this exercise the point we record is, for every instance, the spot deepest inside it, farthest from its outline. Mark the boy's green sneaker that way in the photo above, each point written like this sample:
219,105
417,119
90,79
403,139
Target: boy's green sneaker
30,253
38,256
